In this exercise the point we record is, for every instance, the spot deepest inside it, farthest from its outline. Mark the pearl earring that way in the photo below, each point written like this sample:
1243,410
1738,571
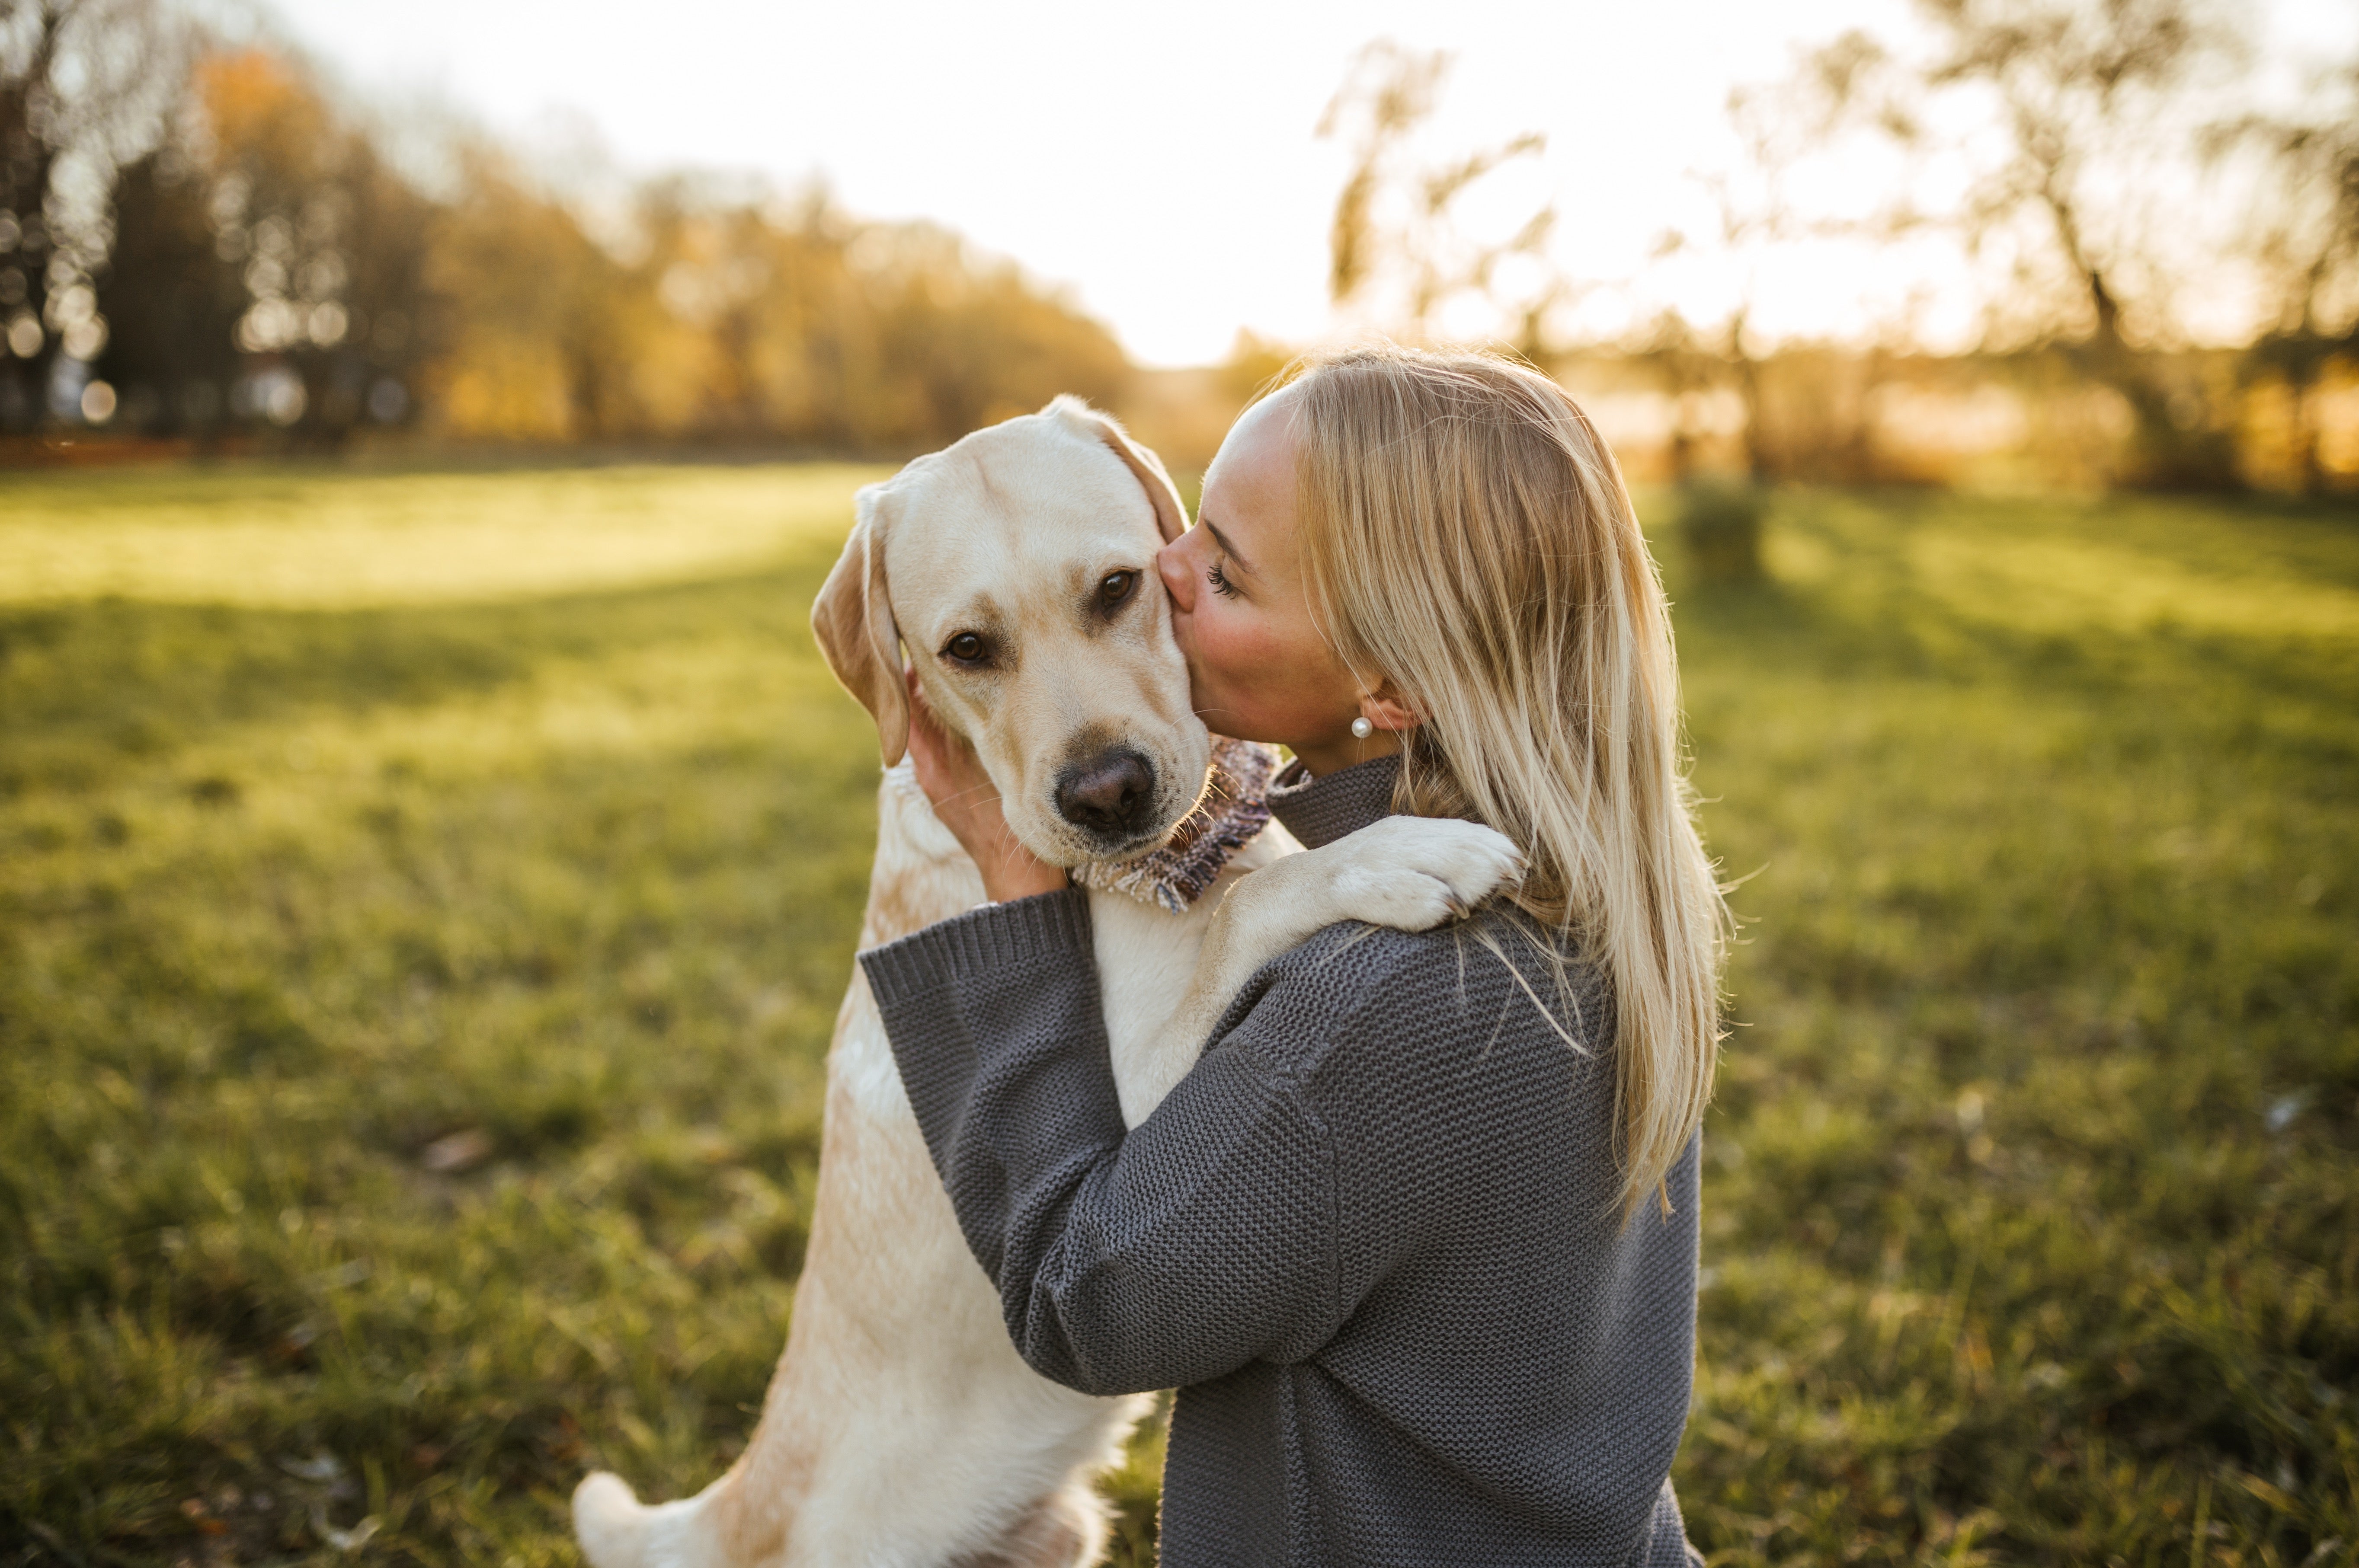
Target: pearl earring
1362,729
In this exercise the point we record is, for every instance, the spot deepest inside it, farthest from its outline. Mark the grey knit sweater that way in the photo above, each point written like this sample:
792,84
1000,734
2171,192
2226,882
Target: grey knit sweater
1372,1237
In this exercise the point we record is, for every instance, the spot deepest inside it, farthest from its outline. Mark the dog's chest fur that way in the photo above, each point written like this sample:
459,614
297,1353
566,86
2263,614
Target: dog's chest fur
1146,955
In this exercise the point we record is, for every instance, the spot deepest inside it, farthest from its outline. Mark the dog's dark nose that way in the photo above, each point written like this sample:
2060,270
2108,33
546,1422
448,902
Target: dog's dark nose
1110,793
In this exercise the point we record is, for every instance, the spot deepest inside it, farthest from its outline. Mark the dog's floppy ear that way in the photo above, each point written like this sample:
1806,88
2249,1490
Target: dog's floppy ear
1171,516
851,621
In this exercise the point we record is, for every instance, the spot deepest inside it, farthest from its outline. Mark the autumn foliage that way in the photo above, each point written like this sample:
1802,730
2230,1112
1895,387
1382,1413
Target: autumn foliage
265,270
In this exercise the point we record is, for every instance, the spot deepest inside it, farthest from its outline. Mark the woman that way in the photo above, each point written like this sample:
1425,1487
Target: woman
1416,1239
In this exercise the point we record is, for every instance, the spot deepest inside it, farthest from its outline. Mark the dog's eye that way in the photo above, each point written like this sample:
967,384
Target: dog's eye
1115,588
966,648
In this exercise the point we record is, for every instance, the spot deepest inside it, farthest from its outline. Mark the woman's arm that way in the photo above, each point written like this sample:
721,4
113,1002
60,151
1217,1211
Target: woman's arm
1205,1239
1197,1242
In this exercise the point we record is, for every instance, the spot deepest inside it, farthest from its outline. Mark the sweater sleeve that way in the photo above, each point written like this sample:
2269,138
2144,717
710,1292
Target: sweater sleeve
1170,1254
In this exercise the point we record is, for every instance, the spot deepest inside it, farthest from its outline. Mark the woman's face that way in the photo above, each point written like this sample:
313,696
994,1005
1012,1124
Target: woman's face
1258,667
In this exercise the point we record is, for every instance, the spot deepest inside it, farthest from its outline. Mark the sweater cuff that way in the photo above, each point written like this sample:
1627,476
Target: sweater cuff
1049,927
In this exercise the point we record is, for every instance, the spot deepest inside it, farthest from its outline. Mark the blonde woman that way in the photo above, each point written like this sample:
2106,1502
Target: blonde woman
1416,1239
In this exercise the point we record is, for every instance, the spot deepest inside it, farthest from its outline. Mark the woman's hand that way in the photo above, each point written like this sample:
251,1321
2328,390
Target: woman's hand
967,802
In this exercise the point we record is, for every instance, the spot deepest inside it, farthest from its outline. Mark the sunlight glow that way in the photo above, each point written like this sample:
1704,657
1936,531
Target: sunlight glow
1162,163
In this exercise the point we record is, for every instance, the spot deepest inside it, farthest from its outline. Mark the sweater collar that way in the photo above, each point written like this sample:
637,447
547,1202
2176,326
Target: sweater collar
1321,810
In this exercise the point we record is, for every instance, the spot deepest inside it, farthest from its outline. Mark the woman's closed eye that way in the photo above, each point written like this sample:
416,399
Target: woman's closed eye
1219,582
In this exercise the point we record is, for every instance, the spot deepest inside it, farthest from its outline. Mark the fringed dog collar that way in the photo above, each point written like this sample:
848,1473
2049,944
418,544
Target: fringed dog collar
1233,808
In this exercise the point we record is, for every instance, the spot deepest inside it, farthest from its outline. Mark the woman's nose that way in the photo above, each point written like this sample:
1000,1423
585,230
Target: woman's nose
1178,579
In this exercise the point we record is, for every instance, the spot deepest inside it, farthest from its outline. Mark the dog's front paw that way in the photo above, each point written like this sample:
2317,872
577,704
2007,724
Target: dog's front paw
1412,873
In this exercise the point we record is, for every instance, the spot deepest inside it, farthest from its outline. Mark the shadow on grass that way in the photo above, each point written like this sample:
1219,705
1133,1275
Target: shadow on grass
1869,618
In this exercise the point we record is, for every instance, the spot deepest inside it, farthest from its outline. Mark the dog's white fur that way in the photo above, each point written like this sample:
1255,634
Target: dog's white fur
901,1428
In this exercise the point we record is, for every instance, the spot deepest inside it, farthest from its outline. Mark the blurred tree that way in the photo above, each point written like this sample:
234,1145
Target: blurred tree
964,341
1777,127
30,142
1748,220
1687,371
2087,98
544,331
1395,246
83,84
232,250
713,265
332,243
820,362
170,301
2303,232
716,312
1254,364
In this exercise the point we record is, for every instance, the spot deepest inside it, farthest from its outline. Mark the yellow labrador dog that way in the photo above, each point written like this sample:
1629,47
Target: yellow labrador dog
901,1429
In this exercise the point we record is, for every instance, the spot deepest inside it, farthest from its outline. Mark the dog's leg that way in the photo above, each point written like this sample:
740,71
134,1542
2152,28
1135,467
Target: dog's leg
899,1419
744,1518
898,1371
884,1246
1065,1530
1410,874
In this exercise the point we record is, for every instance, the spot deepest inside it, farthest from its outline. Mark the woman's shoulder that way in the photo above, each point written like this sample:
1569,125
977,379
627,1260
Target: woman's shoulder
1495,976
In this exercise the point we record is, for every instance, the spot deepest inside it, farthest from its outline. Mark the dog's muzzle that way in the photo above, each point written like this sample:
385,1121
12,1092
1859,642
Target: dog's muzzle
1111,796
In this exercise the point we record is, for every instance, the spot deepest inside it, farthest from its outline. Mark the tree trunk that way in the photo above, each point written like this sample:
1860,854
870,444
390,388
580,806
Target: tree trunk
28,160
2301,380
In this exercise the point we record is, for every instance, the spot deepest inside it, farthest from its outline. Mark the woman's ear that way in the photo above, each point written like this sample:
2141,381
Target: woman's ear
1384,709
851,621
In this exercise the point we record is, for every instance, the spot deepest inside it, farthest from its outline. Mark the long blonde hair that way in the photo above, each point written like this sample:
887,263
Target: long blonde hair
1466,532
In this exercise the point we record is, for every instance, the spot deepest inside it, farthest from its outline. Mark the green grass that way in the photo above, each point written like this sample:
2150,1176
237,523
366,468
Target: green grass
2033,1218
318,538
418,945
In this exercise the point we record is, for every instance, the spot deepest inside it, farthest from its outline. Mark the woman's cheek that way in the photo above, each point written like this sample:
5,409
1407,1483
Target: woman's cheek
1213,665
1229,640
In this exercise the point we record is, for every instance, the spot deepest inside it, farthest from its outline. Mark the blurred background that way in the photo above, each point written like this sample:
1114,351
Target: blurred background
1860,240
431,848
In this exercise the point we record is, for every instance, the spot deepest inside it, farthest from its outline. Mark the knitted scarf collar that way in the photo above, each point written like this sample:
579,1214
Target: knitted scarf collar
1233,808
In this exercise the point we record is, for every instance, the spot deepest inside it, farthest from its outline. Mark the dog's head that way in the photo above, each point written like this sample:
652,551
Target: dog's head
1018,566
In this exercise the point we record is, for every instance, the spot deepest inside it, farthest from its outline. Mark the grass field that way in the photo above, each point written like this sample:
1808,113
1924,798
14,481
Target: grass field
418,938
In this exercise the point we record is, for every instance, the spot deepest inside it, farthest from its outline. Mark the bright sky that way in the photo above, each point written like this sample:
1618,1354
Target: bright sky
1158,161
